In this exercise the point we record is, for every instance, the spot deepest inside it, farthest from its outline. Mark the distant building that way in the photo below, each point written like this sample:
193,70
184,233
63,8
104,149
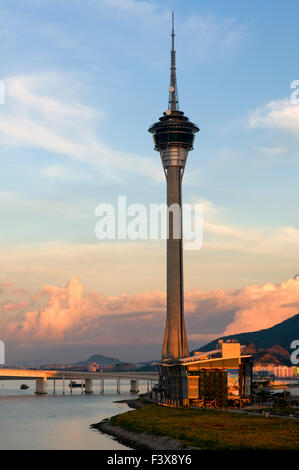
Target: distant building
93,366
273,371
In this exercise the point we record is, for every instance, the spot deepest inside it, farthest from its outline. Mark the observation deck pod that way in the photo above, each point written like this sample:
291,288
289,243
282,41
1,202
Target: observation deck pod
173,137
173,129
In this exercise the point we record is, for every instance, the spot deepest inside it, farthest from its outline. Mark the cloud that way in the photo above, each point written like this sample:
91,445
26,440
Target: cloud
9,306
249,309
204,36
265,306
222,235
22,89
272,151
72,315
11,199
280,114
207,33
38,114
231,256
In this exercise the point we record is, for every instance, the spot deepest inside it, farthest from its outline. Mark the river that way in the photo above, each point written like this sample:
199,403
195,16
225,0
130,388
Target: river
36,422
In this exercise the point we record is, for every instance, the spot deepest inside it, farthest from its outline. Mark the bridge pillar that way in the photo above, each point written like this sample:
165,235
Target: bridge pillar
118,386
102,384
88,386
134,386
41,386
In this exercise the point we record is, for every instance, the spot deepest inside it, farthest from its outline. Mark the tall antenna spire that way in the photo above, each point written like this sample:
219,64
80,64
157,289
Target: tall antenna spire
173,101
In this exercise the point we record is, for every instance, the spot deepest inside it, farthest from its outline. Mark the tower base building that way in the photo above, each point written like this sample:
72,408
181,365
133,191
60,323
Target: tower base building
218,378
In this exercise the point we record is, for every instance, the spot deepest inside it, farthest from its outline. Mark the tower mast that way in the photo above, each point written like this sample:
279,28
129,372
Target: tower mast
173,100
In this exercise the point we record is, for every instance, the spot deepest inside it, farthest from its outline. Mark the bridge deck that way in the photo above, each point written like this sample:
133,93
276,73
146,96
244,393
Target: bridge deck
54,374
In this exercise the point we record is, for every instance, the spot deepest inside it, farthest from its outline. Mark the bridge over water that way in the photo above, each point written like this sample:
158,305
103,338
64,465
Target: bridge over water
87,378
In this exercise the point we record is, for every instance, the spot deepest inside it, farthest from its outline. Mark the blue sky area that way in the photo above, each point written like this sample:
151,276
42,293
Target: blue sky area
84,81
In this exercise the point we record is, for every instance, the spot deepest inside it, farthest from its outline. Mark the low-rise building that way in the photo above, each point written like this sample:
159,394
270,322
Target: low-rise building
274,371
214,377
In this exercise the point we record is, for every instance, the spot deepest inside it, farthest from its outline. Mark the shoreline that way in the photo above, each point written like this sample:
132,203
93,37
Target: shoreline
145,441
138,441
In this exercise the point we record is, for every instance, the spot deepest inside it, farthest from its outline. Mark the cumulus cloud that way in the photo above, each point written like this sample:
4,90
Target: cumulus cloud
72,315
12,306
281,114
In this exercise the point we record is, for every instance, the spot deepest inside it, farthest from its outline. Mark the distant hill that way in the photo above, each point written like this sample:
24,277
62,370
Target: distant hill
149,366
271,345
124,367
100,359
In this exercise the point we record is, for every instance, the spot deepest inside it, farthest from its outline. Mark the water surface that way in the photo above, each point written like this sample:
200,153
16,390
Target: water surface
29,421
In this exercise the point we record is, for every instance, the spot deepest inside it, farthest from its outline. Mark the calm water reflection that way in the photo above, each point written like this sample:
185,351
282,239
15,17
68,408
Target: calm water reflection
28,421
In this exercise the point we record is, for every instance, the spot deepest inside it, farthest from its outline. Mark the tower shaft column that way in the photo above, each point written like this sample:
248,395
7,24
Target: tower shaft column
173,137
175,339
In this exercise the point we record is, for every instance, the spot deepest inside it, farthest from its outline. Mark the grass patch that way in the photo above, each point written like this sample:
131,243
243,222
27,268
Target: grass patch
212,429
278,411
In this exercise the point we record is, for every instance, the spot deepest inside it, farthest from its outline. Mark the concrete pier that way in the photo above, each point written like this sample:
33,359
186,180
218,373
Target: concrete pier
41,386
134,386
88,386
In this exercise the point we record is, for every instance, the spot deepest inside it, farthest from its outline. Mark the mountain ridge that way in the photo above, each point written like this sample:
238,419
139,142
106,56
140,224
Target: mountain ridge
100,359
269,345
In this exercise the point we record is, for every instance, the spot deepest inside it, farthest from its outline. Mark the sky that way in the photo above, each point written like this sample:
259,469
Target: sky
84,79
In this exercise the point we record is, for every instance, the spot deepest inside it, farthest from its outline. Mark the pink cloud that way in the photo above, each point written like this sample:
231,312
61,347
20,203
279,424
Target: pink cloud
11,306
73,315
